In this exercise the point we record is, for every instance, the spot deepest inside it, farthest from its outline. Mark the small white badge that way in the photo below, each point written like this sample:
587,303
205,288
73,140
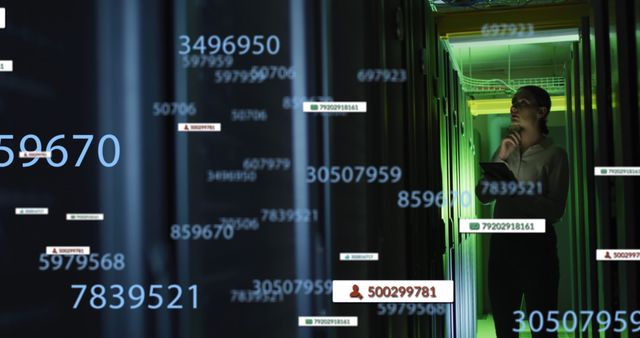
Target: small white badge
199,127
68,250
3,14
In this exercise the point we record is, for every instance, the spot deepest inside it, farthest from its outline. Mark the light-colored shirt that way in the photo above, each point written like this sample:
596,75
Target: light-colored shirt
544,162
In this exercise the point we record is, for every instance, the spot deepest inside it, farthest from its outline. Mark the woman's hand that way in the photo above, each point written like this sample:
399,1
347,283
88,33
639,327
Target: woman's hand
509,144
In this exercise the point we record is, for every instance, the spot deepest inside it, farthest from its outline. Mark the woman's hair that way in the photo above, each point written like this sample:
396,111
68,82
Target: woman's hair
543,100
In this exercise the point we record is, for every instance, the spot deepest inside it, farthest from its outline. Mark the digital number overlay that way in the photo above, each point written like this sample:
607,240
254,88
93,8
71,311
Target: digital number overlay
91,262
381,75
402,309
354,174
392,291
507,29
266,163
206,231
56,154
334,107
249,115
332,321
117,296
230,45
618,254
235,176
359,256
428,198
296,102
257,74
552,321
293,286
288,215
252,296
495,225
174,108
511,188
207,61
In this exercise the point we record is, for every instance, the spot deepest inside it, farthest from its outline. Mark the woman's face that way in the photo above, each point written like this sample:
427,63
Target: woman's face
525,110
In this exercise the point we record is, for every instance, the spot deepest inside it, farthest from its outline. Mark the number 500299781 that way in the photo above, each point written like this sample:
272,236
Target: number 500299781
400,292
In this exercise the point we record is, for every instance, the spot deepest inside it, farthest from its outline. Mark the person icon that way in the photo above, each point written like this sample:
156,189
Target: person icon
606,255
356,292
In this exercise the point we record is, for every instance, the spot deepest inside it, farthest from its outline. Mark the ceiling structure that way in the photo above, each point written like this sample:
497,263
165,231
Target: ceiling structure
513,61
448,6
524,50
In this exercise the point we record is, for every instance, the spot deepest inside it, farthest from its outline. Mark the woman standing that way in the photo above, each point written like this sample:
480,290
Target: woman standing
527,263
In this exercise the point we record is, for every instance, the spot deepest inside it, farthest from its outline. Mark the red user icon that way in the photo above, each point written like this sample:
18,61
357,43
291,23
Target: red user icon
356,292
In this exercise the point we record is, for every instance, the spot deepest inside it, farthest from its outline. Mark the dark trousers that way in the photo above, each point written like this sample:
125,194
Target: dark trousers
523,264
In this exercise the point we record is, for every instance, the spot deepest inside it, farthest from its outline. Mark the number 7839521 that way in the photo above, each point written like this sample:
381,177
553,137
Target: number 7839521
136,295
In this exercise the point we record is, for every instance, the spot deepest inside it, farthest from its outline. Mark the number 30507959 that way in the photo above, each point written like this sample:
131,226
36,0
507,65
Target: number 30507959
569,321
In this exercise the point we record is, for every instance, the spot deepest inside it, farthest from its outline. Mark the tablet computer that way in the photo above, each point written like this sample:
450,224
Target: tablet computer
498,170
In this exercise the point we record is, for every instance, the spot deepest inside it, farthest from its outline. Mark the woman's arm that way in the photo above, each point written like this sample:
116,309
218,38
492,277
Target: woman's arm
550,206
